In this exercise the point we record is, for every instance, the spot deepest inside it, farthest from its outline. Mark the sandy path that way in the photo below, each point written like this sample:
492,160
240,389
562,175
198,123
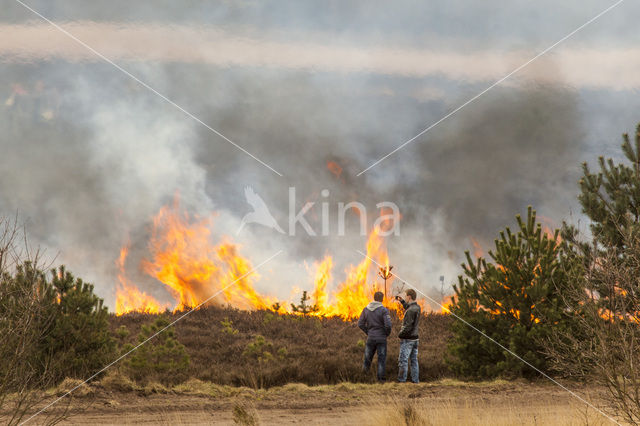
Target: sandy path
437,404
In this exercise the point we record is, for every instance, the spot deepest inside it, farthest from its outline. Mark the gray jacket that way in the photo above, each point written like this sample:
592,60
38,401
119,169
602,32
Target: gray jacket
409,329
375,322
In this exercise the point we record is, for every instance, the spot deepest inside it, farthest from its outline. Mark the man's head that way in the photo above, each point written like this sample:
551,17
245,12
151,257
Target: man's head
411,295
378,296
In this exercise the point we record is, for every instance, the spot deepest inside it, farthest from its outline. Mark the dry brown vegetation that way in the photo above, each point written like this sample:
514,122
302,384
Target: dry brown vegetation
224,348
116,400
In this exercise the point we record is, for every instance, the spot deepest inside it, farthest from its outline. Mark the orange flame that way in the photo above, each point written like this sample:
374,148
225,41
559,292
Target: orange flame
195,271
548,228
356,291
447,302
128,297
477,249
321,279
334,168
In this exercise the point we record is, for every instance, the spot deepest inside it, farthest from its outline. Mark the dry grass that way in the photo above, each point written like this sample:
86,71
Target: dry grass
443,402
472,412
80,389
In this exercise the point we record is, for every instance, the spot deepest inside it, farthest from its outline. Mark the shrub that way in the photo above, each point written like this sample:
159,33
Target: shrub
258,349
71,329
282,353
51,327
80,340
611,196
27,316
162,358
227,326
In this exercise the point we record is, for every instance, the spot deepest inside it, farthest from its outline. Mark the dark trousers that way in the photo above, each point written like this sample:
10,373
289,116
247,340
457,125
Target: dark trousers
370,349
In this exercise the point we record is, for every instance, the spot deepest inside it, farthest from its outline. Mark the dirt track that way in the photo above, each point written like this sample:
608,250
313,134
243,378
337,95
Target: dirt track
448,403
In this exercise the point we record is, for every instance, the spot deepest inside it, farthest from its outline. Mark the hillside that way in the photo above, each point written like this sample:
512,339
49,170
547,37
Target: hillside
310,350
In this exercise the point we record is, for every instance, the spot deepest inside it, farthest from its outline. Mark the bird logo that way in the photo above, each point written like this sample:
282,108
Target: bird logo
260,213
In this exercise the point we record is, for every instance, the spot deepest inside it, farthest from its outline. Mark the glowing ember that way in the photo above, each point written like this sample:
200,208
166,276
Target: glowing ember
477,249
334,168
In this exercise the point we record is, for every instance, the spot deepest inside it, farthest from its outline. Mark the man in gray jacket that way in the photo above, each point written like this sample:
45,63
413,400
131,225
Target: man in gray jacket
376,323
409,337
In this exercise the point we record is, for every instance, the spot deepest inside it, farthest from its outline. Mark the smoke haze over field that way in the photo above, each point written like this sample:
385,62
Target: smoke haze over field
89,156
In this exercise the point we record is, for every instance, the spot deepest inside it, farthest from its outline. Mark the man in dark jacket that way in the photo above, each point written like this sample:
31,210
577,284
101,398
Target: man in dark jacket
409,338
376,323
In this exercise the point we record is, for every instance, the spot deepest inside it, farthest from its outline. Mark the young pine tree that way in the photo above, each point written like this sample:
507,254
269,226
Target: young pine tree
611,197
512,297
80,342
304,307
604,291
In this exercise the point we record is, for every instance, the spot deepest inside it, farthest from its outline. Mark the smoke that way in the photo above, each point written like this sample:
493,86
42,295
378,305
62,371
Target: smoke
88,157
511,149
86,167
467,178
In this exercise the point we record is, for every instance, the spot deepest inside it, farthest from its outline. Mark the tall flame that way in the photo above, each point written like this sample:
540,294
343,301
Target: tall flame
356,291
321,279
195,271
128,297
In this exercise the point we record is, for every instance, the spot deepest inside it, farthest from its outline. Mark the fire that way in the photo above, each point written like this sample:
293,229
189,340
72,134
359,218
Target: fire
356,291
128,297
334,168
196,271
447,302
238,280
477,249
548,228
322,277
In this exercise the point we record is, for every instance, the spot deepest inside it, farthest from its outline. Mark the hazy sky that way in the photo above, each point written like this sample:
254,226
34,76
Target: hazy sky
88,155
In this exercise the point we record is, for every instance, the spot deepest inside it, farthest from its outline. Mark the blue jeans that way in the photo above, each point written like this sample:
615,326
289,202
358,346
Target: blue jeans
369,350
408,352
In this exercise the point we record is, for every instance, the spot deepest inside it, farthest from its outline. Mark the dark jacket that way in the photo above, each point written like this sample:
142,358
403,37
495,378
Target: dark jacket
409,329
375,321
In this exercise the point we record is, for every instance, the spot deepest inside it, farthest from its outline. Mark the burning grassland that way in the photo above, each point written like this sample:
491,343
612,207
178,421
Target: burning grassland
182,257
